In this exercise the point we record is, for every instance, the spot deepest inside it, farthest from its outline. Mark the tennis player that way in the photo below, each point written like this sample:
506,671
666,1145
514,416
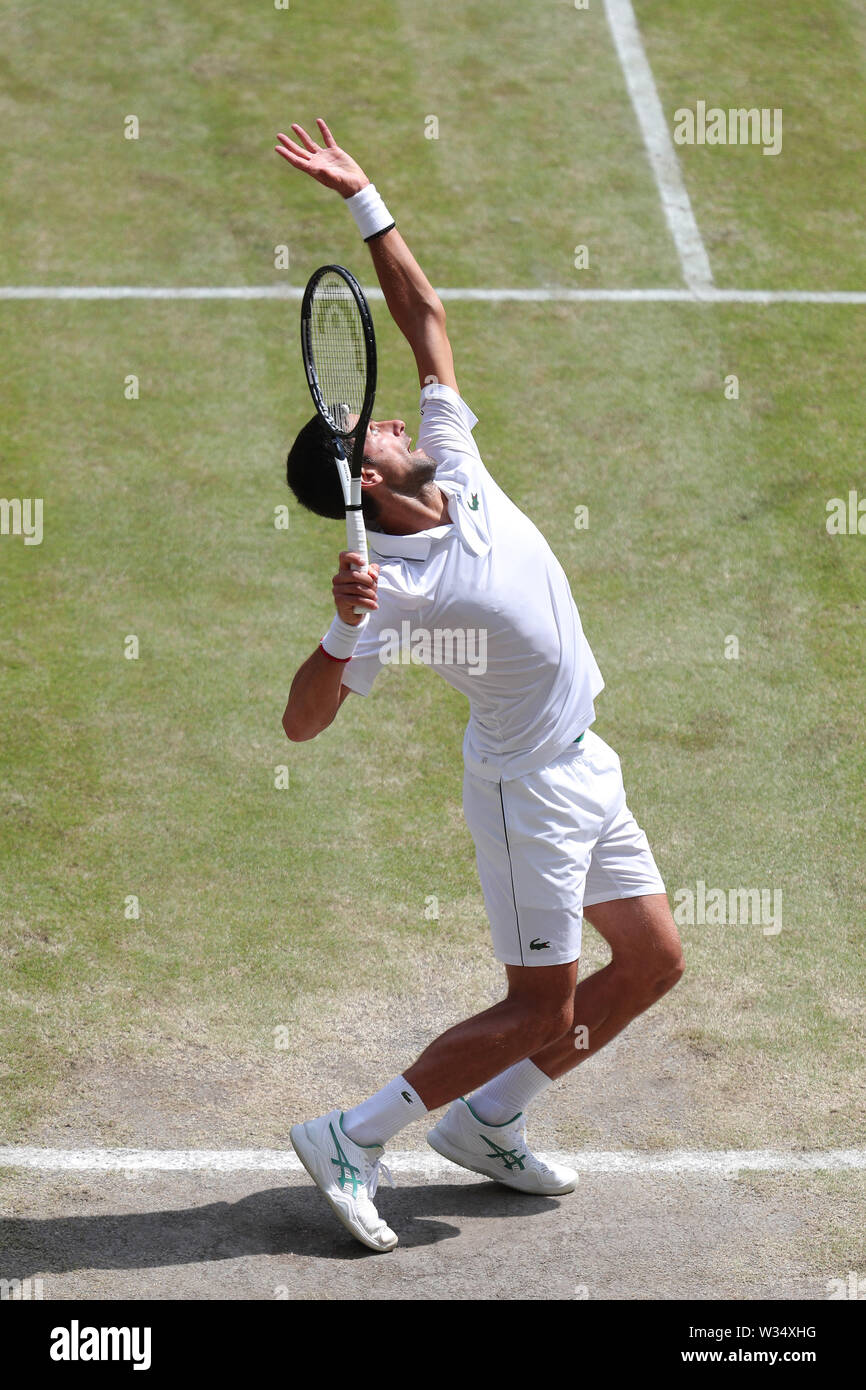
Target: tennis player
542,794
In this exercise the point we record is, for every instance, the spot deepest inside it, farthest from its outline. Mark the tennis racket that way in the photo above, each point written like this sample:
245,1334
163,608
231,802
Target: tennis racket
339,350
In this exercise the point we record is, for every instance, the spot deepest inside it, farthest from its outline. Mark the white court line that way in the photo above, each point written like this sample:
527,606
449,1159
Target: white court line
658,142
558,295
708,1163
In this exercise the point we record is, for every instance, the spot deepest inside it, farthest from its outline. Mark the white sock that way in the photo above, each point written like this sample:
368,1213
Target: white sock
509,1093
378,1119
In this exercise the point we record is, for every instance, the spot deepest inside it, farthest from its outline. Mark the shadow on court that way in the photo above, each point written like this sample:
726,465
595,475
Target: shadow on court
278,1221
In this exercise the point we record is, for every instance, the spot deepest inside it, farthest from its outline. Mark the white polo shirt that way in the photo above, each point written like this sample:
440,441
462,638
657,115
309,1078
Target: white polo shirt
486,603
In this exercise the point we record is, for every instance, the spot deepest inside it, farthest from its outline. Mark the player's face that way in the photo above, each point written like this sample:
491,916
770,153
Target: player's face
388,448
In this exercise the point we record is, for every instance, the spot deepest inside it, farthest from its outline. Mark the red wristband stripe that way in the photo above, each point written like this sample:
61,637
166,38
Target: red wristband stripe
342,659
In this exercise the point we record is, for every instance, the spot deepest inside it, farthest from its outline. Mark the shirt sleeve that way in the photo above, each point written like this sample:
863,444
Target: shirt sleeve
446,434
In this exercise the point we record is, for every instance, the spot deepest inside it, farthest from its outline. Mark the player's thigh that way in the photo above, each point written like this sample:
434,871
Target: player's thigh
547,989
541,998
641,933
622,864
534,839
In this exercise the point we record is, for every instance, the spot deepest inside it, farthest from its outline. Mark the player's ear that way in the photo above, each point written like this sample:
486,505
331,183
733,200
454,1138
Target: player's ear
370,476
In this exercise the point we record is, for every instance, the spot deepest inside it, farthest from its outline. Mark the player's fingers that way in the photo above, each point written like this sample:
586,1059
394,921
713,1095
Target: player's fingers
326,134
350,585
347,602
347,585
294,159
290,145
350,560
309,144
344,598
354,571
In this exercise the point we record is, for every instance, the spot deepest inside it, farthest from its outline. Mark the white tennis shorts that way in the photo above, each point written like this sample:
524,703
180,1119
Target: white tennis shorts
551,842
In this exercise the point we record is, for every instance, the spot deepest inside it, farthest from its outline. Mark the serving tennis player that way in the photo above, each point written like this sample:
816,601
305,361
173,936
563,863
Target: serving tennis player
542,793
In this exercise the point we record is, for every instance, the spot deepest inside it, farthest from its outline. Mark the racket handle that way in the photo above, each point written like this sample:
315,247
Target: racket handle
356,536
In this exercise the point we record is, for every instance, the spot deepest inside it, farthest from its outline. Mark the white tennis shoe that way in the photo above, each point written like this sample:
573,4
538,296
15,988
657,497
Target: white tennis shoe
497,1151
348,1175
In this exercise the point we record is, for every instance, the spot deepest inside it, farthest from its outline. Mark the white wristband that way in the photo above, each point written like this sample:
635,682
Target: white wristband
369,212
341,638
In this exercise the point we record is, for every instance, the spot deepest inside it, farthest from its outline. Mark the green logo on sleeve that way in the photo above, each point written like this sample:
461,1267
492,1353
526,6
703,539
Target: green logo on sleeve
473,505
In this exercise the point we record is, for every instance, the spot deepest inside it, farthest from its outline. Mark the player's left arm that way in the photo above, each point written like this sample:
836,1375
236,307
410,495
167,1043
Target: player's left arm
415,307
412,301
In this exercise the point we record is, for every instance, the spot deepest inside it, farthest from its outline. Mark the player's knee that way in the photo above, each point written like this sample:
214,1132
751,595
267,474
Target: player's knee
562,1021
546,1021
650,974
670,970
668,959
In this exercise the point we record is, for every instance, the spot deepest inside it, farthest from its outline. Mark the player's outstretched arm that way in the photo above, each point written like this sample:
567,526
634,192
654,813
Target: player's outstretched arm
317,691
414,305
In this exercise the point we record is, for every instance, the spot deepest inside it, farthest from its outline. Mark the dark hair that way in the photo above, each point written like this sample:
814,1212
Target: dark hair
311,472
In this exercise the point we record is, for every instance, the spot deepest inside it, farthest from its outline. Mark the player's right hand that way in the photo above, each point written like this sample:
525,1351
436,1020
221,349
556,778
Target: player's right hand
351,586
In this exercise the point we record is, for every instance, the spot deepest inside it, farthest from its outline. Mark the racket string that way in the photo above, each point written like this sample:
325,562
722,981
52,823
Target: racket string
338,350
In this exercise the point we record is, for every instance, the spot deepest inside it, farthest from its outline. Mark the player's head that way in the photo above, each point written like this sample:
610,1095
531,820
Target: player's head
391,470
311,472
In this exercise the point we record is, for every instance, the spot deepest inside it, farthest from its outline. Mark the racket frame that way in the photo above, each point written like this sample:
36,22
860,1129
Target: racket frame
349,463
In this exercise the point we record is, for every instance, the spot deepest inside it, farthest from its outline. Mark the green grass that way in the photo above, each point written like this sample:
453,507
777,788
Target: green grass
155,777
771,221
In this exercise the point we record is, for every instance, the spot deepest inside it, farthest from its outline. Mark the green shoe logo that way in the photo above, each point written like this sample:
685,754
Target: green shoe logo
348,1172
510,1157
473,505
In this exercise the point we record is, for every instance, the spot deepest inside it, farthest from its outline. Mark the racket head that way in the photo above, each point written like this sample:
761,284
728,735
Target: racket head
338,345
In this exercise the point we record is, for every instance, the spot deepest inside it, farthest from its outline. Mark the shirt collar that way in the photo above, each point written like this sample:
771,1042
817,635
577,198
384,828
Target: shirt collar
417,545
414,547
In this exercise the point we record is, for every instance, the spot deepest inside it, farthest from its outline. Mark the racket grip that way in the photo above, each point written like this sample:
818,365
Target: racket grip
356,536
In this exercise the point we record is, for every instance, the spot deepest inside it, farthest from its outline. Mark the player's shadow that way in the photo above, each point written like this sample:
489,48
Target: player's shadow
285,1220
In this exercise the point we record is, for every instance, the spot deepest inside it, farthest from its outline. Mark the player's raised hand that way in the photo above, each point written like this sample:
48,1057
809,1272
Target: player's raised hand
330,165
351,586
